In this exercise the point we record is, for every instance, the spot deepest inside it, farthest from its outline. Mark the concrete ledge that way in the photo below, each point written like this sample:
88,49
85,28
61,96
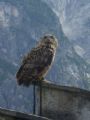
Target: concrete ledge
58,103
6,114
65,103
67,89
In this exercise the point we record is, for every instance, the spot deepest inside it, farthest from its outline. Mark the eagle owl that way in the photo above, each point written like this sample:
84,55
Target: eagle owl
38,61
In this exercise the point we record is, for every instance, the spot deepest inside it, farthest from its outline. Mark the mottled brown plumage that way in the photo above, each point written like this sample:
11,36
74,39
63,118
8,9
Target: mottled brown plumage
36,63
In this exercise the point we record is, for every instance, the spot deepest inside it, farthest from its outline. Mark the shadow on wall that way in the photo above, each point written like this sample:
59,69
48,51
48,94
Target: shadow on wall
57,115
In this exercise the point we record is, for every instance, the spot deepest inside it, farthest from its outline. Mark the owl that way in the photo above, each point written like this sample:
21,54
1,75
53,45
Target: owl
37,62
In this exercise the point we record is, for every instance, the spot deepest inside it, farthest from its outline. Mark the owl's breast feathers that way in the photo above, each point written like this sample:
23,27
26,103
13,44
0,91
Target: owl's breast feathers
35,65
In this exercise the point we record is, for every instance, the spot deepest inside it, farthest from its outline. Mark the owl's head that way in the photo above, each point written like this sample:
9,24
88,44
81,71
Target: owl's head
49,40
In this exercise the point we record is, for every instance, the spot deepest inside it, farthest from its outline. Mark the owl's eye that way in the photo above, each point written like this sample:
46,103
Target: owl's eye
45,37
52,37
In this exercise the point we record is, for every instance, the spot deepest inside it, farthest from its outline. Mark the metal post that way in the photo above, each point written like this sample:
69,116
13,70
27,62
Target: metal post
34,99
40,98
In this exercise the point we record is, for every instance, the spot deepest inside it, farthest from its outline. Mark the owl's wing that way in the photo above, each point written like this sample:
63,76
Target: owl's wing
34,64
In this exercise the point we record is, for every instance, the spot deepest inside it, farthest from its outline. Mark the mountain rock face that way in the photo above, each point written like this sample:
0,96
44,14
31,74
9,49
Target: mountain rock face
22,23
74,17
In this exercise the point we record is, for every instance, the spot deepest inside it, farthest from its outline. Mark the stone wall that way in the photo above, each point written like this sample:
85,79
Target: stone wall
65,103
